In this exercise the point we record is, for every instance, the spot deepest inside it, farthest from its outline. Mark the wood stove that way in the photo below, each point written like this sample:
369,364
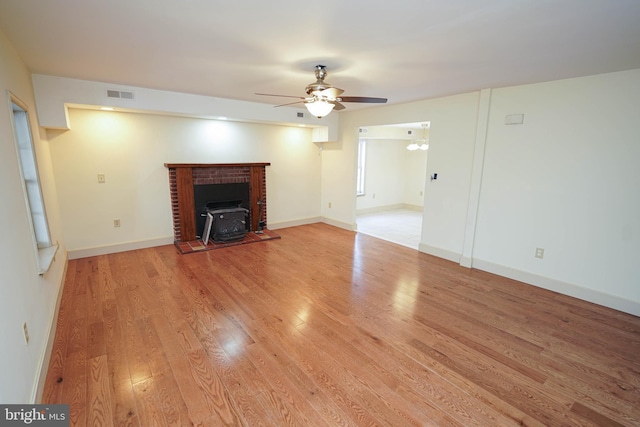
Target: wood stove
225,224
208,197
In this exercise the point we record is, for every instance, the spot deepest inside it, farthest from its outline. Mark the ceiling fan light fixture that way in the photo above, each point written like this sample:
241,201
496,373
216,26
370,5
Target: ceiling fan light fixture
323,97
319,108
413,147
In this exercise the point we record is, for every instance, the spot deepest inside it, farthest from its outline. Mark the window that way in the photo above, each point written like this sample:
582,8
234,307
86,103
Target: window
31,185
362,149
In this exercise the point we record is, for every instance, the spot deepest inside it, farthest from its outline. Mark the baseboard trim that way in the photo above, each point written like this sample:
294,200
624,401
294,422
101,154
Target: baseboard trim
439,252
312,220
339,224
576,291
51,335
465,261
385,208
120,247
294,223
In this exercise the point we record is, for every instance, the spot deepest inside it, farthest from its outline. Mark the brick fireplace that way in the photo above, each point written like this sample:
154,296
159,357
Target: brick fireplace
183,177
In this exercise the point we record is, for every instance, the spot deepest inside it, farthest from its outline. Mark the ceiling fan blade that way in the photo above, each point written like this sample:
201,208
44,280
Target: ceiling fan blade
283,96
363,99
332,92
290,103
337,106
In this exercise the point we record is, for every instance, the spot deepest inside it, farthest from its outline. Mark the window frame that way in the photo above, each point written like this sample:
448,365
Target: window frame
361,167
27,160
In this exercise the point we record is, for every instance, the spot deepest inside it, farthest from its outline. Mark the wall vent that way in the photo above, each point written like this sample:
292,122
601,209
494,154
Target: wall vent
409,132
300,114
122,94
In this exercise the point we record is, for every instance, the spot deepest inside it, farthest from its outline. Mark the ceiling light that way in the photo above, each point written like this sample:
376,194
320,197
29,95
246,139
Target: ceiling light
422,143
319,108
106,108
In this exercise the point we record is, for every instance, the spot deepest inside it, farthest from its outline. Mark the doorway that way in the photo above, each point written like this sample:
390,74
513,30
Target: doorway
392,167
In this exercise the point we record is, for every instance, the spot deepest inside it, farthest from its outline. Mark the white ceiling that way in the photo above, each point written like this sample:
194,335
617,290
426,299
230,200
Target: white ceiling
402,50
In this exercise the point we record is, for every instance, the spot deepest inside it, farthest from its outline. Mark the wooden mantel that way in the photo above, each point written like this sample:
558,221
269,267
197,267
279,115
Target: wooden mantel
212,165
181,181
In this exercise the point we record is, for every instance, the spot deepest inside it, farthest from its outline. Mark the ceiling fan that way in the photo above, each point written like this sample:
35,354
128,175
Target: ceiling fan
323,97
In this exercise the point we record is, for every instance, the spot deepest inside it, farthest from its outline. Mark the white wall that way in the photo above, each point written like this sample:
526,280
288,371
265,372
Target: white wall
131,150
415,173
394,176
384,175
568,181
451,144
24,296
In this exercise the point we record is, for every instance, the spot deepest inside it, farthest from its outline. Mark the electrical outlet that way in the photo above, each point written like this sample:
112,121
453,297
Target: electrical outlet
421,194
116,223
373,196
329,205
539,253
101,178
26,333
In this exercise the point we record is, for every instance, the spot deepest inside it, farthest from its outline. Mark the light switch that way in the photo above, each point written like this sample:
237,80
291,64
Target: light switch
101,178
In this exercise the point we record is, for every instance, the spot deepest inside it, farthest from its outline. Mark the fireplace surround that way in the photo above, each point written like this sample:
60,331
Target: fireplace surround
183,177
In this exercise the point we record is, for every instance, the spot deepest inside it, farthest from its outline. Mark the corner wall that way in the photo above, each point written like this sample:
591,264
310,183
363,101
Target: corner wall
24,295
566,180
452,132
130,149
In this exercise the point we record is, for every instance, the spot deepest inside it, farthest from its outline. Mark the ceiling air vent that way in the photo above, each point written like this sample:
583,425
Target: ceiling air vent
122,94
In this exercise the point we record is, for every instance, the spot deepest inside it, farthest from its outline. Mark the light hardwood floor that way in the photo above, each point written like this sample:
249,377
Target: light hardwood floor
326,327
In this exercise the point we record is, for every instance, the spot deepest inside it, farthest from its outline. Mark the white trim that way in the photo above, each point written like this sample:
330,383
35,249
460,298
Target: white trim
294,223
466,261
385,208
570,289
439,252
46,257
45,358
311,220
120,247
339,224
475,188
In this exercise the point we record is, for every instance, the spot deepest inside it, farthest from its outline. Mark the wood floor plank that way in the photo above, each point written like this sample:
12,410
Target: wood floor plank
148,403
289,392
74,389
170,399
99,411
327,327
124,408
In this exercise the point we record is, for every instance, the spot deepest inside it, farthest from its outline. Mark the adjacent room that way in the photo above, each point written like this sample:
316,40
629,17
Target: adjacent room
361,213
391,171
